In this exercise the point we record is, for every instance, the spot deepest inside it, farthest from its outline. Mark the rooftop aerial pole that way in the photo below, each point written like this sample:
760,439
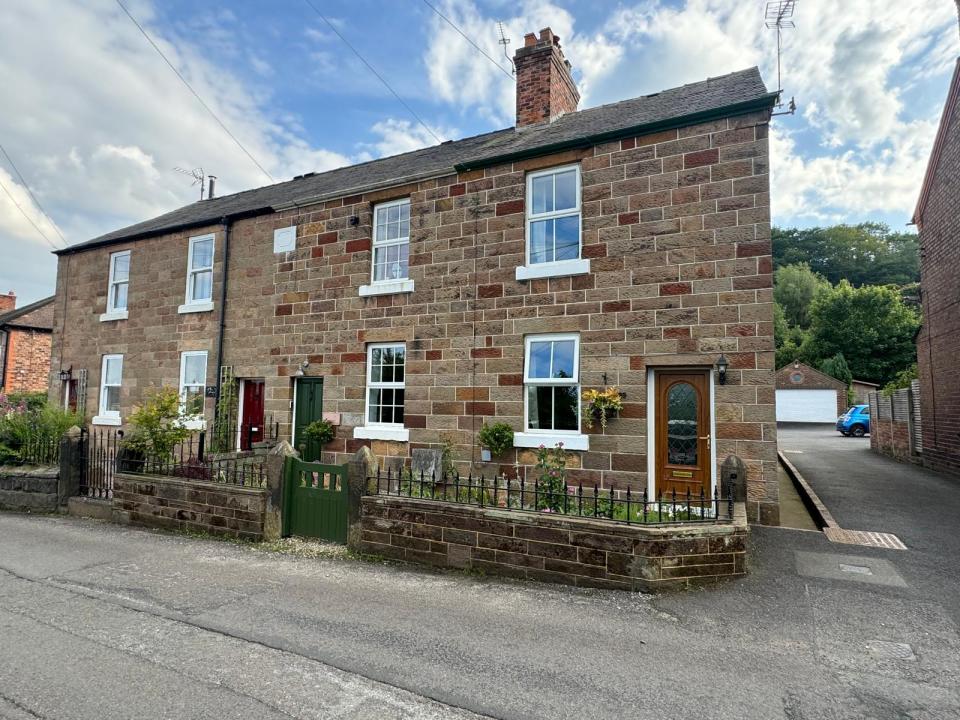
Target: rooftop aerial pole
778,17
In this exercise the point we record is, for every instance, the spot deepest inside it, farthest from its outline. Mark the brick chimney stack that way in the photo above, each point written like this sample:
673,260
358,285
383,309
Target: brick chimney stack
8,302
545,87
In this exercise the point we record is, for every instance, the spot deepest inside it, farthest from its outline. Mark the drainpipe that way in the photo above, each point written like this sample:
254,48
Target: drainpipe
226,221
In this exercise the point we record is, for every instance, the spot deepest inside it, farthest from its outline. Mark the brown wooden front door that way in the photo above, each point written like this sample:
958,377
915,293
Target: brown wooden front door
682,432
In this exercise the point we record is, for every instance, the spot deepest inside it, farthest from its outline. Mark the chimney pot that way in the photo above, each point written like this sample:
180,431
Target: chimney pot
213,184
545,87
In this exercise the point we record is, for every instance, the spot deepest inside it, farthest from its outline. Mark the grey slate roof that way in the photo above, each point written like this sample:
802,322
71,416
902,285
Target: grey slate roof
740,91
10,317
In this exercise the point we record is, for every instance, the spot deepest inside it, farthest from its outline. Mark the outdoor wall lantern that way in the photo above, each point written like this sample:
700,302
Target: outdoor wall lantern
66,374
303,366
722,369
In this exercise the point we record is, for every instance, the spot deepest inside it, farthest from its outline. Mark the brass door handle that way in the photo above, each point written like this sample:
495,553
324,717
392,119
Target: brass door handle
707,438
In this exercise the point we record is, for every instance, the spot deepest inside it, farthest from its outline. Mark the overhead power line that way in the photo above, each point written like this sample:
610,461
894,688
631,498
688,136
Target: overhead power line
194,92
466,37
28,218
33,197
373,70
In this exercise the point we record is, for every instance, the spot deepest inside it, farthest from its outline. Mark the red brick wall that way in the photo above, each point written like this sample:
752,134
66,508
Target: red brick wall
8,301
27,361
938,344
676,226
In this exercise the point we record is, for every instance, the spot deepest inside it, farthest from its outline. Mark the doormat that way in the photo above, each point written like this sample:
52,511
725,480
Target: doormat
866,538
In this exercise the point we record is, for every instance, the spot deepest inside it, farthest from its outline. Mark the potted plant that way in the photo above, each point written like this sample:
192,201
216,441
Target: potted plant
320,432
601,405
496,438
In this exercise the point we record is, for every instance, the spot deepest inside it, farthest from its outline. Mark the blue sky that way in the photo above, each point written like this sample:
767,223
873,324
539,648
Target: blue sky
95,121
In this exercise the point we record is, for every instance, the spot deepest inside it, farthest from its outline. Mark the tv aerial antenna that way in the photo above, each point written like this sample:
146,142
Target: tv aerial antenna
196,174
504,40
778,16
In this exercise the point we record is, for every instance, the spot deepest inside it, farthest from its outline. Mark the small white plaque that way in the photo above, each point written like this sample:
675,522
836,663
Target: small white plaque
285,239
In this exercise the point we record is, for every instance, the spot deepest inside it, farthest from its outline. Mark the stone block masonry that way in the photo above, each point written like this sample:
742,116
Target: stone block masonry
550,548
29,489
675,225
180,504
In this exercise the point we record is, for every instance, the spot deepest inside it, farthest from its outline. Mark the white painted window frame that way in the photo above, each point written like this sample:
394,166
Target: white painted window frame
113,312
191,305
104,416
393,285
379,430
571,439
193,422
556,268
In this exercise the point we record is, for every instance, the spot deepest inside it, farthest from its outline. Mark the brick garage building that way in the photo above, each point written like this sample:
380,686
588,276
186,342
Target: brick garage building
25,335
492,278
938,342
808,395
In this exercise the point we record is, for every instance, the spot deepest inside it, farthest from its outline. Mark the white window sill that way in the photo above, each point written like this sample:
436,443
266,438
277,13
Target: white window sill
106,420
195,424
397,434
195,307
387,287
550,440
114,315
561,268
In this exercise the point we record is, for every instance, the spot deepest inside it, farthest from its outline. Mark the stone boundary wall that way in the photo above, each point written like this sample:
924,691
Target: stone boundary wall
182,504
29,488
532,546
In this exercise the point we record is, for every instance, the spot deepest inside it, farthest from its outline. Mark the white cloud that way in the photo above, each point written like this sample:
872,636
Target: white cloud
96,122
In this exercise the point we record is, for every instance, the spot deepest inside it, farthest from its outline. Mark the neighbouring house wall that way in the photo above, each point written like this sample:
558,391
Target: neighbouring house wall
537,546
861,392
181,504
938,344
29,489
676,226
27,362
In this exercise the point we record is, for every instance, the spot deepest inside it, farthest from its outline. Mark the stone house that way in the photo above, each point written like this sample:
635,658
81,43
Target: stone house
411,299
25,335
938,342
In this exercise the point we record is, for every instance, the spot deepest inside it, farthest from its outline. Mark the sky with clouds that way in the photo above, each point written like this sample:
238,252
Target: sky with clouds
96,121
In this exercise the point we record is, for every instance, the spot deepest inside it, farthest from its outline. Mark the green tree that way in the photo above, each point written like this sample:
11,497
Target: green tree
158,425
836,367
901,380
864,254
794,288
788,339
871,326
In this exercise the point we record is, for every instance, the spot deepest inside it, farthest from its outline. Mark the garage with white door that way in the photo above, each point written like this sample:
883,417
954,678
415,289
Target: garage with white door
805,395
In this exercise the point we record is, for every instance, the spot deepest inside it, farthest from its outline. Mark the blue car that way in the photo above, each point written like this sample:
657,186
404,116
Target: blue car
855,421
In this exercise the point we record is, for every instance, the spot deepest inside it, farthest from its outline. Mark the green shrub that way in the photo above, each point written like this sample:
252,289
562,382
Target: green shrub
498,438
551,477
28,420
157,425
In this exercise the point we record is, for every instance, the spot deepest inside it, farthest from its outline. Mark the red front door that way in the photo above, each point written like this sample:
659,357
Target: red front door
251,423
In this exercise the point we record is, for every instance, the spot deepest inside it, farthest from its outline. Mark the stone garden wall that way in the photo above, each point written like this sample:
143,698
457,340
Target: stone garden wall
29,488
537,546
182,504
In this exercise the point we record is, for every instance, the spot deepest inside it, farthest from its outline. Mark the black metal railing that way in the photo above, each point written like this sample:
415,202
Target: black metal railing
98,461
37,449
192,460
624,506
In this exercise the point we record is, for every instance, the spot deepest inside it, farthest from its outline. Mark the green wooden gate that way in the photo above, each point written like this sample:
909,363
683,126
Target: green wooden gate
315,500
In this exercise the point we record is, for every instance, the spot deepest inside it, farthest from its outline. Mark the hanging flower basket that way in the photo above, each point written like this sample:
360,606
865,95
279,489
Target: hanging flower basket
601,406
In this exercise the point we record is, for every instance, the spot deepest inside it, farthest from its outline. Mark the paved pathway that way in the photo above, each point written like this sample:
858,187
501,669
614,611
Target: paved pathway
867,491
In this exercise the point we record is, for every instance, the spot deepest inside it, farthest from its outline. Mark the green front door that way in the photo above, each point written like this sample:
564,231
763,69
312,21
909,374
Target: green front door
308,407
